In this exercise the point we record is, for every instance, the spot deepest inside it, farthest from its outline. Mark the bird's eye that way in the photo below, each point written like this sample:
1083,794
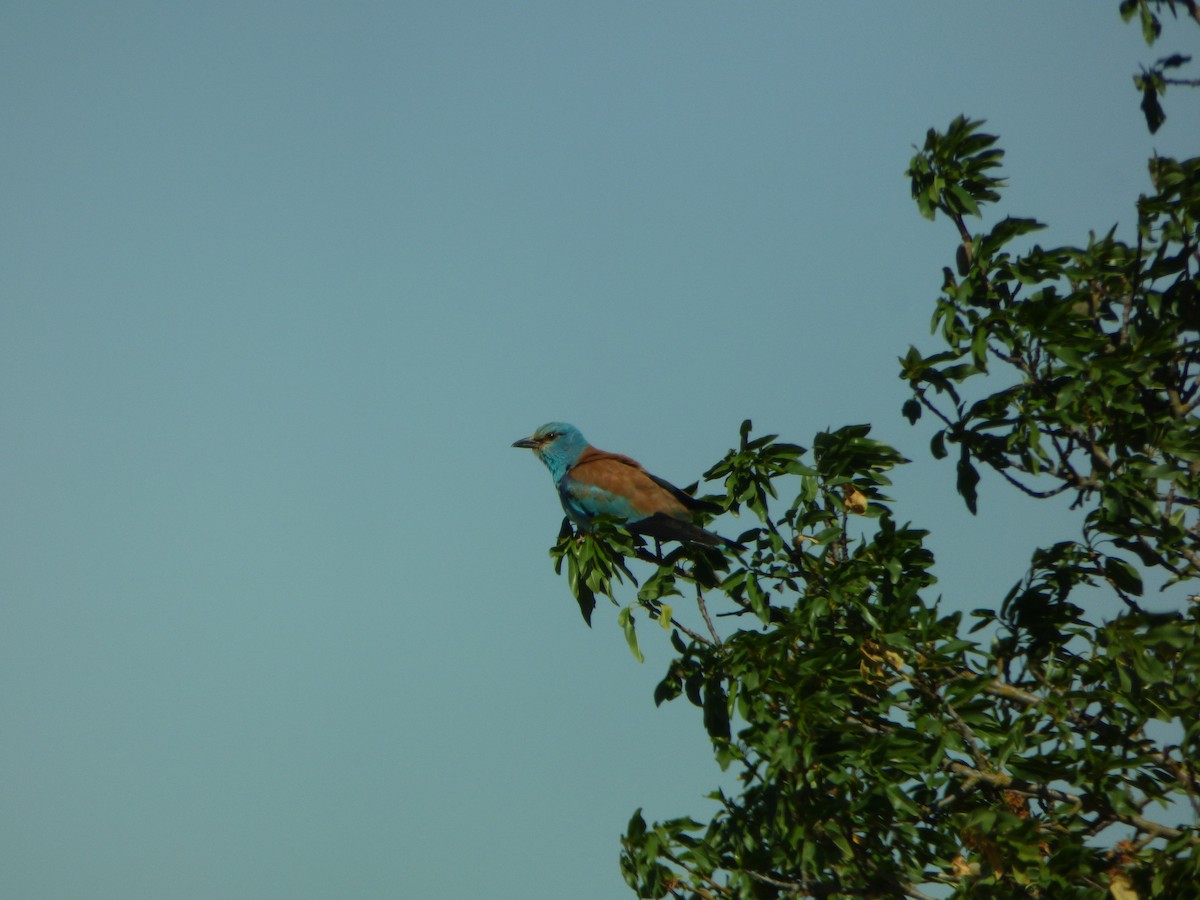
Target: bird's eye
551,435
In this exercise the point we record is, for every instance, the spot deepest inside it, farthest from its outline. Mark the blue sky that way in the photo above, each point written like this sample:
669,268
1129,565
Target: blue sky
281,282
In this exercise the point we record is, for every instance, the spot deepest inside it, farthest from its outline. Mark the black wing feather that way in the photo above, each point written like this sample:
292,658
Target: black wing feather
686,499
666,528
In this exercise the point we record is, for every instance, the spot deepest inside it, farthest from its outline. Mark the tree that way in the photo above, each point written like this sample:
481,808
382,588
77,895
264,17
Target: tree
881,746
1153,82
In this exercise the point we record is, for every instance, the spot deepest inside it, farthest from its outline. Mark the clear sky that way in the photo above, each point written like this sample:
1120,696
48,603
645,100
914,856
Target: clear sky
281,282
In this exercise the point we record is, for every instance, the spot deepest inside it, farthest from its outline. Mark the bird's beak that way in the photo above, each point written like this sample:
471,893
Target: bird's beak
526,443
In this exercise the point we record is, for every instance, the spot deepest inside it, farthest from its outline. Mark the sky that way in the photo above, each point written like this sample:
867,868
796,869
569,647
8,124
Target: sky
280,283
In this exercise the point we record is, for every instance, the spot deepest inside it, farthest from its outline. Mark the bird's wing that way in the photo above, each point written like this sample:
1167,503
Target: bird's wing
665,528
604,483
685,498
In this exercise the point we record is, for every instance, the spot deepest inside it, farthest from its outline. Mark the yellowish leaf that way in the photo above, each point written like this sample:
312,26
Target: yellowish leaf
1121,887
960,868
854,499
876,659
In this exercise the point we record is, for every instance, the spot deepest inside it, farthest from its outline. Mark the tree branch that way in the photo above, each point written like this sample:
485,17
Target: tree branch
707,619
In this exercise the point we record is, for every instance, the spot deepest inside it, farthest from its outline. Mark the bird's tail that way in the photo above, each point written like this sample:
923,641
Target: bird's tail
667,528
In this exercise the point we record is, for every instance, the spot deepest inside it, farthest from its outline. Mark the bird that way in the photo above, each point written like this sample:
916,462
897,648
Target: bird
595,483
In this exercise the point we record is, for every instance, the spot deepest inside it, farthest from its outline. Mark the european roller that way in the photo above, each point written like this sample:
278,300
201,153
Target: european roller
593,483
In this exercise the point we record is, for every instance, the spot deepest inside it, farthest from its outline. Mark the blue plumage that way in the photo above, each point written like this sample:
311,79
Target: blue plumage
593,482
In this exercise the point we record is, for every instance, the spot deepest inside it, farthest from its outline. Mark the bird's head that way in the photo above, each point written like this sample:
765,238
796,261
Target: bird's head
557,444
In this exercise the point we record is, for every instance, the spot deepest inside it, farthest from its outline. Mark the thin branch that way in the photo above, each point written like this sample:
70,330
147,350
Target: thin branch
1182,773
1000,688
963,232
825,889
1028,789
792,553
928,404
707,619
1190,556
693,635
956,721
1040,495
692,870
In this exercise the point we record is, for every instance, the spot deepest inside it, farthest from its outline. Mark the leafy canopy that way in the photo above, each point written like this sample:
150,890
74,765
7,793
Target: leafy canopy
881,746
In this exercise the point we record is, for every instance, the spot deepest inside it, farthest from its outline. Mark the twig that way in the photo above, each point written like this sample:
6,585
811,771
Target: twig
664,852
928,404
793,554
1040,495
957,721
693,635
825,889
963,232
707,619
1182,773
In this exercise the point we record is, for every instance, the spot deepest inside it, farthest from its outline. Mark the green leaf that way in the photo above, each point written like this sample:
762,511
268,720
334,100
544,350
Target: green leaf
1151,108
968,478
912,410
759,602
625,620
1123,575
937,445
693,686
586,600
716,711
